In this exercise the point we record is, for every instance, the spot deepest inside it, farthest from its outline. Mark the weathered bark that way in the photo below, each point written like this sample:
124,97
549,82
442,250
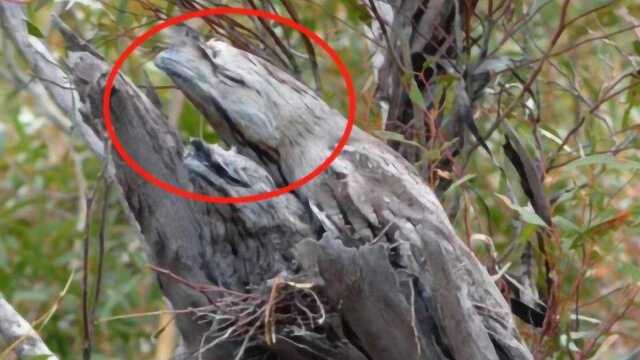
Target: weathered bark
362,263
18,335
283,126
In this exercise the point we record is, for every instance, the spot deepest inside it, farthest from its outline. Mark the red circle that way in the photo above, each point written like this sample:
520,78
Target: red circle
222,199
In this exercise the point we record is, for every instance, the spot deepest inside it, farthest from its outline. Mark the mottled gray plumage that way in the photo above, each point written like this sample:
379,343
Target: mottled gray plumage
368,192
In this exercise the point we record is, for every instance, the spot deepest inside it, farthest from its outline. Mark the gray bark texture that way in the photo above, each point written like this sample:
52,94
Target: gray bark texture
361,263
18,335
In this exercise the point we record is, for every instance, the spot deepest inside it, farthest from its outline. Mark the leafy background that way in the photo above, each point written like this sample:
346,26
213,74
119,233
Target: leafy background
46,175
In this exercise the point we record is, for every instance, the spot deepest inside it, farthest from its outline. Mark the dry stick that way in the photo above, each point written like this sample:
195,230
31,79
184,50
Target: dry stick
124,33
101,245
41,321
151,313
343,22
556,36
85,255
516,27
269,322
604,296
307,44
13,73
613,152
235,25
594,38
86,352
283,48
526,87
200,287
108,5
504,6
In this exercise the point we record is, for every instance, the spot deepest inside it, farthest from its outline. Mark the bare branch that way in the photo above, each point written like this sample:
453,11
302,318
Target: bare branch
18,335
46,69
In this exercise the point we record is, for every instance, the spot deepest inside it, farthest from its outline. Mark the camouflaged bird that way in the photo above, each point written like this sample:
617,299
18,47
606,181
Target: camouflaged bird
369,193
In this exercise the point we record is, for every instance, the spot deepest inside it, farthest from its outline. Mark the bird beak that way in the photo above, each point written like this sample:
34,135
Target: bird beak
175,63
190,71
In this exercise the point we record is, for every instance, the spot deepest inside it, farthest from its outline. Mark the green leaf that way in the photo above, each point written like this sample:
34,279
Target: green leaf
33,30
447,79
494,65
356,10
416,95
393,136
636,47
431,155
38,357
529,216
459,182
566,225
526,213
170,7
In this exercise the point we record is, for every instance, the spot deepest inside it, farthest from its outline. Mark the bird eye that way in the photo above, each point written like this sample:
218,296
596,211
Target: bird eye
232,77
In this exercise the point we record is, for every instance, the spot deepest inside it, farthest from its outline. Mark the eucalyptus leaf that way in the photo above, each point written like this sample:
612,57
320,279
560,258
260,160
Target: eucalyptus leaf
393,136
416,95
459,182
636,47
526,213
33,30
565,225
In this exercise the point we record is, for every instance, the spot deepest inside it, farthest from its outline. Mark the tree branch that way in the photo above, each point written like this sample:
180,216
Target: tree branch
18,335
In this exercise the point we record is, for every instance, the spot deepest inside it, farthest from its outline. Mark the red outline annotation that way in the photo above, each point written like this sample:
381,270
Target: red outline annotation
221,199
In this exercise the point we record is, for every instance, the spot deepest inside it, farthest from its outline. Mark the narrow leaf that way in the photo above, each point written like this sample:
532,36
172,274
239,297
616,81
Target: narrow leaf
416,95
526,213
459,182
393,136
33,30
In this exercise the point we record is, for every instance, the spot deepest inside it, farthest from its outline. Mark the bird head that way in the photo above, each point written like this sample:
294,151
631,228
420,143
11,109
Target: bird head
244,96
221,82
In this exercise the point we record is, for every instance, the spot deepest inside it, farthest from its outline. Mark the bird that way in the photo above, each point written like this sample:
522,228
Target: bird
368,194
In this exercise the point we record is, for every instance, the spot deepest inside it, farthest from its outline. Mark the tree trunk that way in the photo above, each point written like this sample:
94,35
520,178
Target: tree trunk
362,263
